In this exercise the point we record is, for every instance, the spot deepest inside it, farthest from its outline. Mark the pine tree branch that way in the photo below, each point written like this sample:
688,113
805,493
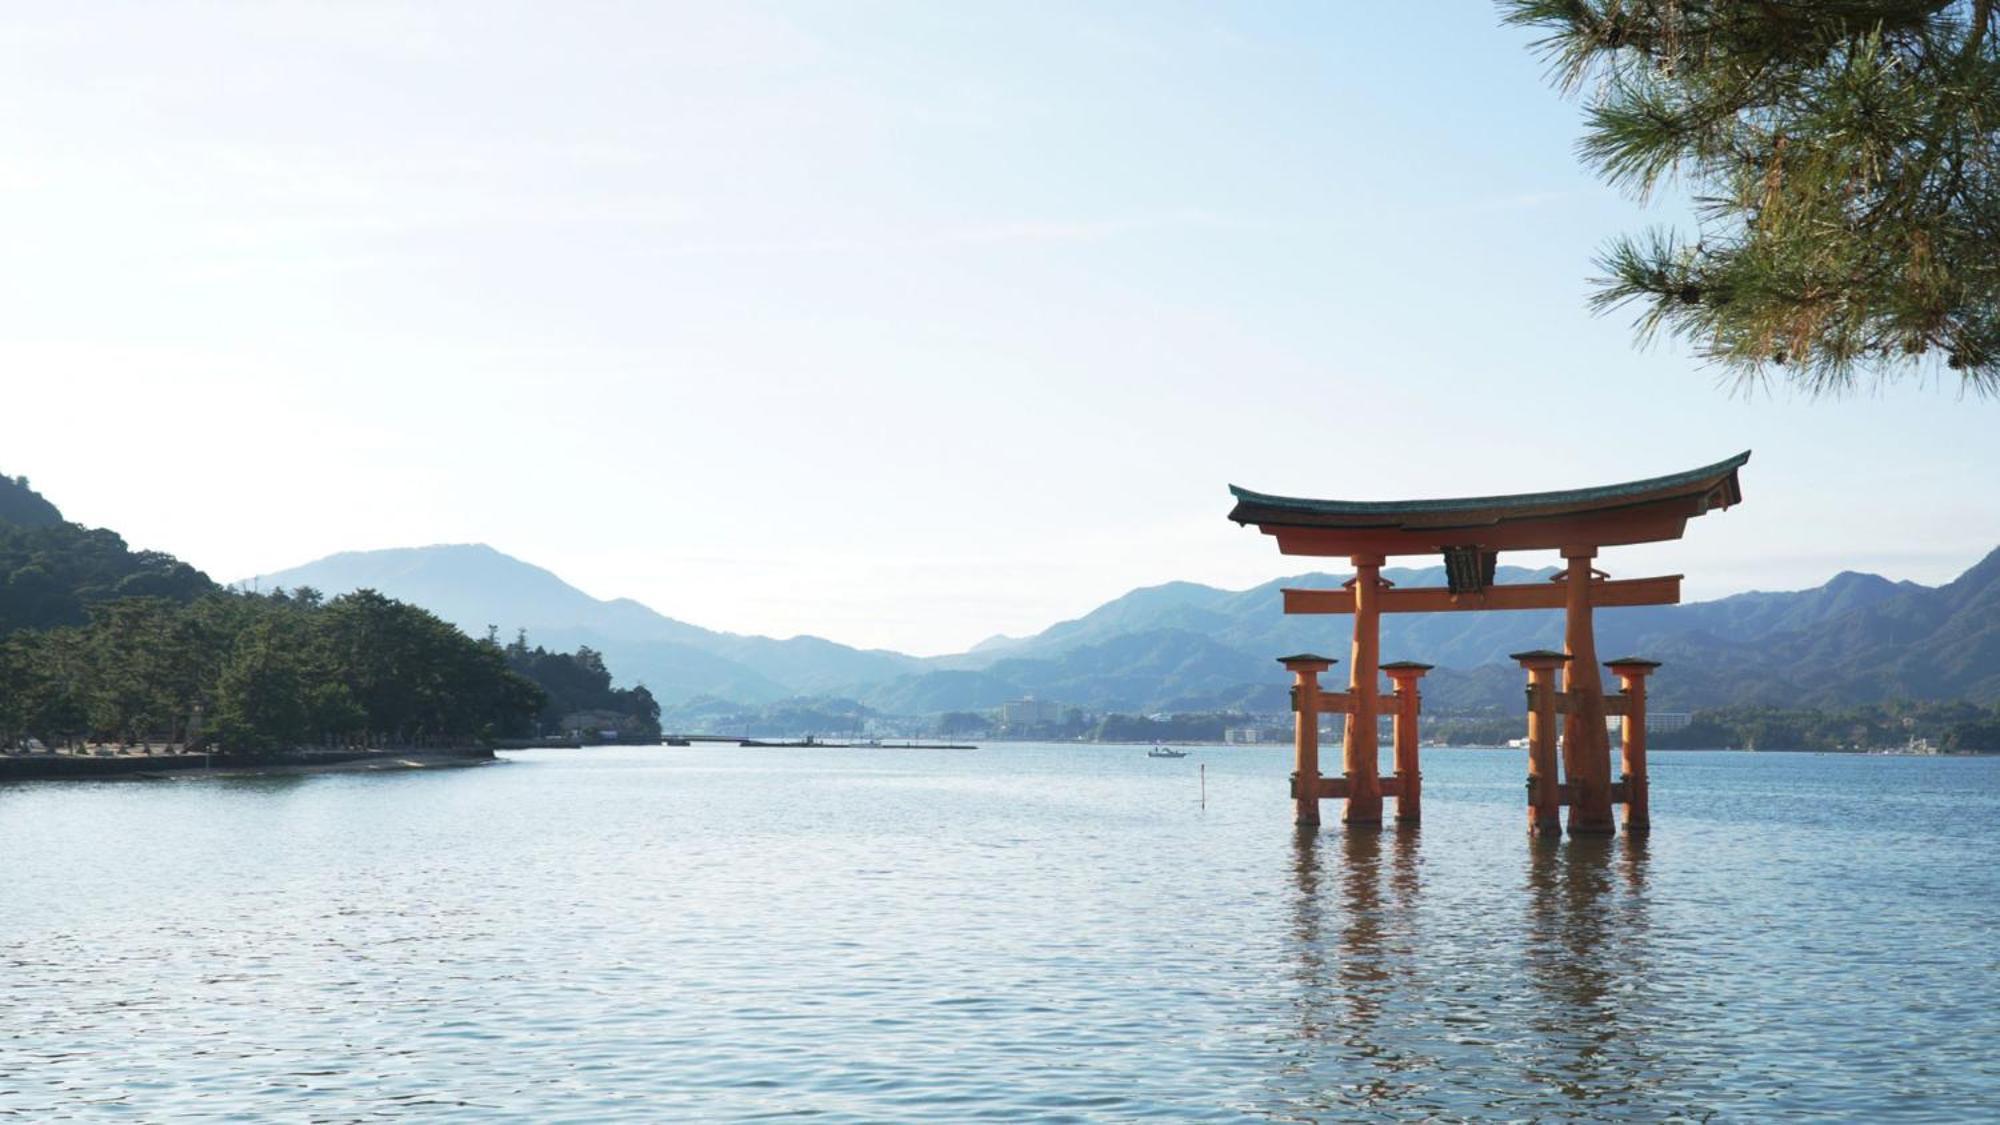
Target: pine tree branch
1846,168
1982,14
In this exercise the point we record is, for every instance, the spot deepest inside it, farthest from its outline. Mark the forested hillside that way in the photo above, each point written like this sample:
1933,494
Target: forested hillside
100,643
53,572
252,673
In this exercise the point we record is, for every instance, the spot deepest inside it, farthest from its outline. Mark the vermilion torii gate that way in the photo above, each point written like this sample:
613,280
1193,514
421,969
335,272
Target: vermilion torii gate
1470,533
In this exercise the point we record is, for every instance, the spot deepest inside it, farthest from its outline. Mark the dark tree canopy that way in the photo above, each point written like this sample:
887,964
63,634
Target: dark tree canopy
1843,155
578,693
22,506
52,574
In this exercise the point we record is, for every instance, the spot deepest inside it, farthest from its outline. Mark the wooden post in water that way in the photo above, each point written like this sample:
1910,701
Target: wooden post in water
1305,669
1586,740
1362,746
1409,777
1632,672
1544,790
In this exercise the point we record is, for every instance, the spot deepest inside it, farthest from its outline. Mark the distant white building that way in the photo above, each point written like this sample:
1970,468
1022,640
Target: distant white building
1242,736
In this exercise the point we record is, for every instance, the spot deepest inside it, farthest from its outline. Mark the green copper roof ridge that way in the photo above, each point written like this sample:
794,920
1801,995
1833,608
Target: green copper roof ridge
1513,500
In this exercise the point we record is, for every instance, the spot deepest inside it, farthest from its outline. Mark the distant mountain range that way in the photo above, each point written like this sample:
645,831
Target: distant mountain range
1184,646
474,586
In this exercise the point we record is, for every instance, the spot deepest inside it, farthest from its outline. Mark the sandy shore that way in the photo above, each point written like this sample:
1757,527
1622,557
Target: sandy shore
387,760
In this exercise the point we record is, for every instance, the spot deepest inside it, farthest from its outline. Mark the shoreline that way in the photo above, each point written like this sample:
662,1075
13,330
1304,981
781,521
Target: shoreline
161,767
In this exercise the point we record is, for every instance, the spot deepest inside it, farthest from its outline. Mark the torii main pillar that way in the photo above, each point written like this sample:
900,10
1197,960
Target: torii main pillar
1361,748
1586,736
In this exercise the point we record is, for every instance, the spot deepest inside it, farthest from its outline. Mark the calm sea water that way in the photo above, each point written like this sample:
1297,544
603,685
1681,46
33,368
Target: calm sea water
1009,933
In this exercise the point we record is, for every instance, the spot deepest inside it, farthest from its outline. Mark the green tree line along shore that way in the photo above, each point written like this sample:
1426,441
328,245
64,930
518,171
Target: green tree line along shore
1952,727
1955,726
99,643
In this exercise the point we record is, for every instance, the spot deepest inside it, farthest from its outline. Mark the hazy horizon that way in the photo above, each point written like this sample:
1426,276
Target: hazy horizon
1306,565
895,324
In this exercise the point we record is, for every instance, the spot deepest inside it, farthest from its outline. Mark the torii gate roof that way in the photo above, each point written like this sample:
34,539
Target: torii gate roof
1640,511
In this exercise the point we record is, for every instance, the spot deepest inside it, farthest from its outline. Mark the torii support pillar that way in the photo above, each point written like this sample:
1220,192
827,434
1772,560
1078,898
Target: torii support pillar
1544,788
1305,669
1408,782
1632,672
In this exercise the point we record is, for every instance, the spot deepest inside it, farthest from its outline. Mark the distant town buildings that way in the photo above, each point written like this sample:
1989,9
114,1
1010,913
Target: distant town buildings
1030,712
1657,722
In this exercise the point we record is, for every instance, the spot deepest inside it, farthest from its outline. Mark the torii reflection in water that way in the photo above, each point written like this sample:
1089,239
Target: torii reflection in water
1399,1009
1586,952
1356,948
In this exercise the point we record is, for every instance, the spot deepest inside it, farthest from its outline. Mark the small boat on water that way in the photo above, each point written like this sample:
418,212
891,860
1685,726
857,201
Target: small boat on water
1165,752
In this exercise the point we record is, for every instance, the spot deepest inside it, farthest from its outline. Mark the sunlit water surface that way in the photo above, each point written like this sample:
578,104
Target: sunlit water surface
1013,932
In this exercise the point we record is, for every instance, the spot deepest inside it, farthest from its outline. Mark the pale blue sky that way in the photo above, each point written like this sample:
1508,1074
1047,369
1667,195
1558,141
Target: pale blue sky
902,324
